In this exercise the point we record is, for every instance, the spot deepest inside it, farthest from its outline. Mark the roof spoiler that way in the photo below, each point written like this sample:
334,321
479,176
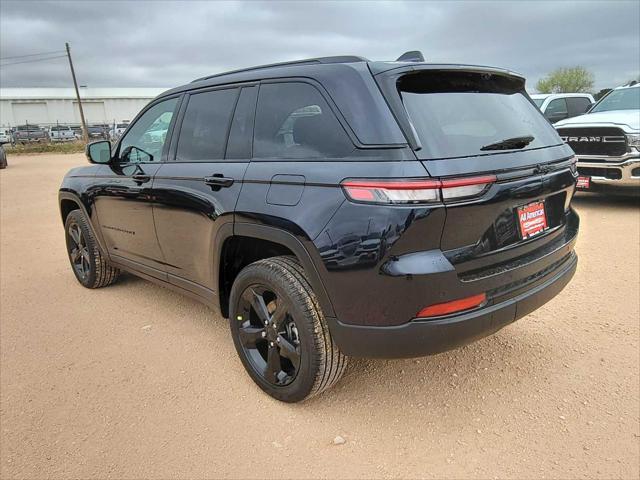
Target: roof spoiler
412,56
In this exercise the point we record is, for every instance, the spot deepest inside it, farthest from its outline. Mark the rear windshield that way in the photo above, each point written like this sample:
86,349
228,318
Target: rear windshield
623,99
461,114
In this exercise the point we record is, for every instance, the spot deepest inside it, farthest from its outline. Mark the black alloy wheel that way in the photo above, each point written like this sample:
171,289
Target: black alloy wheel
280,332
268,335
89,265
78,251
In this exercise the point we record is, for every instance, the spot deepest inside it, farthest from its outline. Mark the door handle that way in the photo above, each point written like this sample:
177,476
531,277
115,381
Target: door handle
217,180
141,178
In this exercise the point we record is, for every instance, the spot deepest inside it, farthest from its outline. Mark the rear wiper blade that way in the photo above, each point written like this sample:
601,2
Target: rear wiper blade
510,143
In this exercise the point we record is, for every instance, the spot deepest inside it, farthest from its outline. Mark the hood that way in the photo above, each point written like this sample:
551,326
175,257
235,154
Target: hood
628,119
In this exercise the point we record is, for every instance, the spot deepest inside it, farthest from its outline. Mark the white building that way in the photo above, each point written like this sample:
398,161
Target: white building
48,106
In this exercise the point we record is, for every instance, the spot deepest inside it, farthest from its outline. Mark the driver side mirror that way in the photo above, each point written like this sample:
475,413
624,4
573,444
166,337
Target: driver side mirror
133,154
99,152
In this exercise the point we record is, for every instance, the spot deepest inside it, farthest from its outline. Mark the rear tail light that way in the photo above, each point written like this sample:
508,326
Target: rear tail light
416,191
453,306
459,188
391,191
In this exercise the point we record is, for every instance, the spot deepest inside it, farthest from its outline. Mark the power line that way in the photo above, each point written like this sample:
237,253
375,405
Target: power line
31,55
31,61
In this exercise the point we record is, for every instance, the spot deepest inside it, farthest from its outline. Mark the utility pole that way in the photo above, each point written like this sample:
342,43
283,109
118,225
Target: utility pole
85,133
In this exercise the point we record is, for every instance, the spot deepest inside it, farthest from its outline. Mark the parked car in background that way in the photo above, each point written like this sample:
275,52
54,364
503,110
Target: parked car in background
335,207
117,130
61,133
558,106
5,135
29,134
77,131
607,141
97,131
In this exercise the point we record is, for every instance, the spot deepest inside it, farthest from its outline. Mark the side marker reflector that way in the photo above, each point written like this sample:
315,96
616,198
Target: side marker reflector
452,307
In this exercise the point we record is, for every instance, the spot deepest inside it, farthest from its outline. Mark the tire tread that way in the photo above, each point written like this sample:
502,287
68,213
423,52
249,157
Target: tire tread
105,273
332,362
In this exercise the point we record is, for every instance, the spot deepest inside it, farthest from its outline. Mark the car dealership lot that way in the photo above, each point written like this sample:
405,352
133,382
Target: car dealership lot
137,381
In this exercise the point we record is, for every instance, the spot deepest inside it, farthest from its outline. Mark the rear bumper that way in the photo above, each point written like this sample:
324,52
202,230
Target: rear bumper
421,337
613,173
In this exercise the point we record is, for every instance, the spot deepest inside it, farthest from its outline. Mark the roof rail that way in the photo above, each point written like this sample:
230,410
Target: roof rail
308,61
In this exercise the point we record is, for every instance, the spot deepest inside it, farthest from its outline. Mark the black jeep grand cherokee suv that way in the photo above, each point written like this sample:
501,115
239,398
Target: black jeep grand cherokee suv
335,207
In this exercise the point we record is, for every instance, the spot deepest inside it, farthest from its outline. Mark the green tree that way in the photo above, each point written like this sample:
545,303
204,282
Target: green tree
566,80
601,93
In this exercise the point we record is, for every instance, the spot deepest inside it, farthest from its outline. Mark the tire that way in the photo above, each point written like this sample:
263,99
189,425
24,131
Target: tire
3,158
87,262
308,361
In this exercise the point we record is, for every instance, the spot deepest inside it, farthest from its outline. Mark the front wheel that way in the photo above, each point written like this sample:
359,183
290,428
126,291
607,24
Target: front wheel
280,333
87,261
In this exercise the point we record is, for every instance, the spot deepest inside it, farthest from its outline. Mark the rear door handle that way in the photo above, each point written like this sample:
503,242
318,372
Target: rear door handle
141,178
217,180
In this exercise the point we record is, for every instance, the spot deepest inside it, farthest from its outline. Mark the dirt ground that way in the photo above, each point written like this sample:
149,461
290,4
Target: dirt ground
89,390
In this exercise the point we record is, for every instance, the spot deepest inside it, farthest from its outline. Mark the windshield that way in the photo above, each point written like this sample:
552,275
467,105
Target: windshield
623,99
460,114
538,101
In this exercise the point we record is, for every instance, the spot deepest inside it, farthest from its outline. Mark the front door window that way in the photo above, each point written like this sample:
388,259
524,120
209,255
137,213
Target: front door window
145,140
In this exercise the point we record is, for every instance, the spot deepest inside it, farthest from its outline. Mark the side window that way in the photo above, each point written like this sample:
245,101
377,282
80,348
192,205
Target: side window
203,135
294,121
241,133
578,105
146,138
557,109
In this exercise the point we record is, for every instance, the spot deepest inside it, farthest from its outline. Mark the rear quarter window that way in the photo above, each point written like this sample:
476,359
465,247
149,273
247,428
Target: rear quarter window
294,121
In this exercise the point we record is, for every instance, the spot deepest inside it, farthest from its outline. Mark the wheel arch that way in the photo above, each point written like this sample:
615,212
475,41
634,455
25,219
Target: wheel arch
276,241
70,201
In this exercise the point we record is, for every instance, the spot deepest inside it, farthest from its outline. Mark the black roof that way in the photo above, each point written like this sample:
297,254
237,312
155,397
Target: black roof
322,66
308,61
349,81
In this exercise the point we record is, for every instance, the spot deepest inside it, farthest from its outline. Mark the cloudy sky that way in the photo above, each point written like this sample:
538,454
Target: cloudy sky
148,43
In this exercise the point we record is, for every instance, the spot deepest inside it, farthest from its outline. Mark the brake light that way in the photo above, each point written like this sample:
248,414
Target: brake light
416,191
392,191
459,188
453,306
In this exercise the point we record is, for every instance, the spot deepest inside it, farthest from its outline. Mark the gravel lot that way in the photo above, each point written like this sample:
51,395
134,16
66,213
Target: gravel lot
134,381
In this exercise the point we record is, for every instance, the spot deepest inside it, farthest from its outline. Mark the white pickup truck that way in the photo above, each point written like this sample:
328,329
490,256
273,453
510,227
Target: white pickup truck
606,141
61,133
558,106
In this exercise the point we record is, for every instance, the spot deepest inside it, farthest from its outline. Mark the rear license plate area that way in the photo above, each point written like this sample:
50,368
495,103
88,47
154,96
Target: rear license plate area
532,219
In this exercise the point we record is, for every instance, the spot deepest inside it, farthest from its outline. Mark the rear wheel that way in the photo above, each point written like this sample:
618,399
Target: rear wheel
87,262
280,332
